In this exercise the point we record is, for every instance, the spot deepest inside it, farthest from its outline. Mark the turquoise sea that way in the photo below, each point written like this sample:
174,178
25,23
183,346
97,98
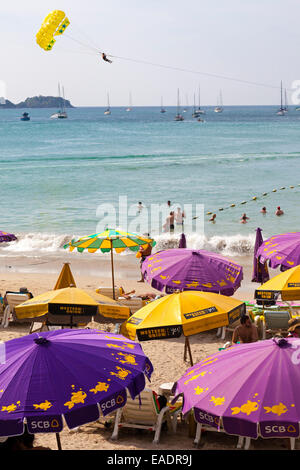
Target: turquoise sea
56,173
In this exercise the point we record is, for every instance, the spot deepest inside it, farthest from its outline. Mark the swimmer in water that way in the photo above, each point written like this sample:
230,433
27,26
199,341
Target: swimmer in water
244,219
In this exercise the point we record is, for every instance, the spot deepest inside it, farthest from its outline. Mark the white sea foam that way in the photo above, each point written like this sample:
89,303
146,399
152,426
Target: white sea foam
43,243
228,245
36,243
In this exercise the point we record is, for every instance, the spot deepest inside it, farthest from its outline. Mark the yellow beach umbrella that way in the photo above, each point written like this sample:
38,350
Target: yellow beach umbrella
70,305
187,313
65,278
287,284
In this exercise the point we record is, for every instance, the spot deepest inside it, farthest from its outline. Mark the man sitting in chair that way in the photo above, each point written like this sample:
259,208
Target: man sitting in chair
23,290
246,332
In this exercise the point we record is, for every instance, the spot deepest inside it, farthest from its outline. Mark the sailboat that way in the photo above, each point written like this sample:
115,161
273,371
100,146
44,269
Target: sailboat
130,104
286,108
61,114
219,107
107,111
195,112
199,110
281,111
162,109
178,116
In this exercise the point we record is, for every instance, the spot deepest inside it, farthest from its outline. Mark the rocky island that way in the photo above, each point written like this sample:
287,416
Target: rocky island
38,102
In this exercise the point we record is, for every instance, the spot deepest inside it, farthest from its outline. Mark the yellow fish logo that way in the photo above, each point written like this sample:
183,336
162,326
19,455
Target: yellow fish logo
100,387
77,397
11,408
43,406
127,359
194,377
121,374
199,390
217,400
276,409
247,408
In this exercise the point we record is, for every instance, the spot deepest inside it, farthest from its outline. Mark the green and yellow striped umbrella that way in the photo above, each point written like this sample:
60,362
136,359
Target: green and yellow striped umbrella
108,241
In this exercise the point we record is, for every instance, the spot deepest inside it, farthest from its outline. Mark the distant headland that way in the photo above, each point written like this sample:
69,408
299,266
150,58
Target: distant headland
38,102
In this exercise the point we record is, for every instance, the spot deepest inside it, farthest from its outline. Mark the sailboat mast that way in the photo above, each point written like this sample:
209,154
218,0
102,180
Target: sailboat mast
64,103
286,103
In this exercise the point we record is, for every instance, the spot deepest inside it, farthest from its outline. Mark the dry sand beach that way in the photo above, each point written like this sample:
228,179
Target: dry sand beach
166,355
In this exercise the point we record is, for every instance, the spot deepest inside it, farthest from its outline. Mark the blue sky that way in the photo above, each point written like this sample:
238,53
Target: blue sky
251,40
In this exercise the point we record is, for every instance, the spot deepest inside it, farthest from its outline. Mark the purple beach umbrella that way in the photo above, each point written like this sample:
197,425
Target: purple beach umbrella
70,374
281,250
183,269
7,237
182,241
260,271
250,390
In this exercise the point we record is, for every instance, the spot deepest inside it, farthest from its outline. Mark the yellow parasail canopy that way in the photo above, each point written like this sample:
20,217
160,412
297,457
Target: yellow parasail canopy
53,25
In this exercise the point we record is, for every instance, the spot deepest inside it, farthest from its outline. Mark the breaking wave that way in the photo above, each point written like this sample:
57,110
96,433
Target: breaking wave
43,243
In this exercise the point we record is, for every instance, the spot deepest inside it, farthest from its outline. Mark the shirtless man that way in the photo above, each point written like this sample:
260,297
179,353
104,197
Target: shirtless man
246,332
169,225
279,211
244,219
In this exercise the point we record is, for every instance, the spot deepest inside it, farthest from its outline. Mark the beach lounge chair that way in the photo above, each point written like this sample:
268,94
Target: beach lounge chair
145,415
221,332
108,292
242,442
275,322
13,299
135,303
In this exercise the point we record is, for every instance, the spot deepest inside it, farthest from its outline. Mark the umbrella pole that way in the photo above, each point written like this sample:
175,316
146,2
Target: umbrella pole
58,441
187,347
112,270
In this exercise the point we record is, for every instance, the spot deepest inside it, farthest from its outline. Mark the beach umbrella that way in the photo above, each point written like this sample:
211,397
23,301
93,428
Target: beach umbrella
7,237
280,250
70,305
260,271
182,241
185,313
250,390
184,269
108,241
65,278
67,376
286,284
